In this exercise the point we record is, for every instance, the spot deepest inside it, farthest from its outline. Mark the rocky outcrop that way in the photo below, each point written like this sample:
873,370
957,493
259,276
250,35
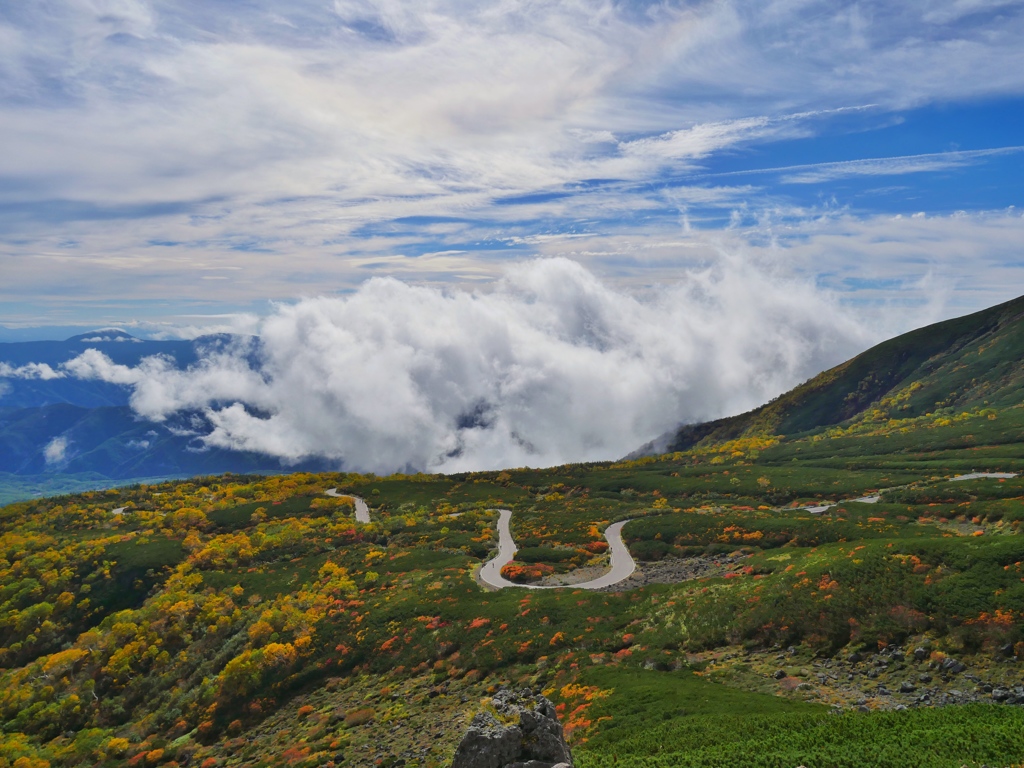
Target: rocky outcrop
522,731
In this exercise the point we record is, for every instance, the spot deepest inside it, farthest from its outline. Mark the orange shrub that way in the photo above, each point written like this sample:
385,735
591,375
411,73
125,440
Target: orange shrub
359,717
524,574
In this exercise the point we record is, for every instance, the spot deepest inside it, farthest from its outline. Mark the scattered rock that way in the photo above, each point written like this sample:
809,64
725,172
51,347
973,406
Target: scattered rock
907,687
673,570
527,735
779,674
921,654
854,658
953,666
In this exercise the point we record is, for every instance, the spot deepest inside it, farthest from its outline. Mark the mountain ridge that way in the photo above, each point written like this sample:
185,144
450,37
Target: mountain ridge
928,361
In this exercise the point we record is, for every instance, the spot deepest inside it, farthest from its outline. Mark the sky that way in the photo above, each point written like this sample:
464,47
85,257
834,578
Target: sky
186,163
175,168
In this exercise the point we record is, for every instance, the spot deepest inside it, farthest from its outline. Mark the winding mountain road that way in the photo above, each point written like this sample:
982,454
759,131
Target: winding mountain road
821,509
362,510
622,564
979,475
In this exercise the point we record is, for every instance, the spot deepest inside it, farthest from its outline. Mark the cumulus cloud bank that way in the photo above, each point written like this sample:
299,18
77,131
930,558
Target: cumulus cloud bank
548,365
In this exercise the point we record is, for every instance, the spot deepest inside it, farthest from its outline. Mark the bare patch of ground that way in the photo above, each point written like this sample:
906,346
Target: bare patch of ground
673,570
894,678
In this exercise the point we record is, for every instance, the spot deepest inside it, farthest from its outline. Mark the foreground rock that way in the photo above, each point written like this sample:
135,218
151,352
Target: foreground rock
522,731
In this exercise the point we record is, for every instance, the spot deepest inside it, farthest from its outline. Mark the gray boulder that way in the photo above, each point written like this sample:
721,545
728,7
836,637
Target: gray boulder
953,666
488,744
527,735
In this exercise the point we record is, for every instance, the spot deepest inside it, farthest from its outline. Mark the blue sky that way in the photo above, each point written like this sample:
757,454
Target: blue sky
177,166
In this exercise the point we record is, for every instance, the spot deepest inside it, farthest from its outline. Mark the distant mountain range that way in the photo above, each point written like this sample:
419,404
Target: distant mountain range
63,433
968,362
21,390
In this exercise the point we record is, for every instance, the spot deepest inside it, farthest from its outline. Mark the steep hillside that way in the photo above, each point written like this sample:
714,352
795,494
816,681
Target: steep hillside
968,362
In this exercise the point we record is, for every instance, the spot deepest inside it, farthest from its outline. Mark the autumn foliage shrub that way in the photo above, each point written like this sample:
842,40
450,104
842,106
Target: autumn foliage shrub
359,717
523,573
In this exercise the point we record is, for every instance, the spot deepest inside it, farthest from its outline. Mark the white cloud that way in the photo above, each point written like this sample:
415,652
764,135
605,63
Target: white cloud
98,338
55,451
547,365
29,371
953,264
887,166
223,376
950,12
892,273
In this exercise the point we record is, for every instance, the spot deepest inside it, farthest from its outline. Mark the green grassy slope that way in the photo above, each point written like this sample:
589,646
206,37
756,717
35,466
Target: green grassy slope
250,621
